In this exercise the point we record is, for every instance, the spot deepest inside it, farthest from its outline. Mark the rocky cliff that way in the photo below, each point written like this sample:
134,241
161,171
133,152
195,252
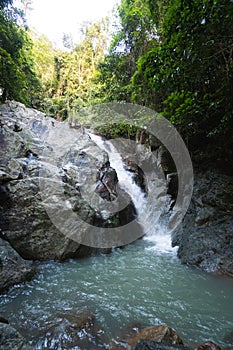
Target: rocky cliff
205,238
49,172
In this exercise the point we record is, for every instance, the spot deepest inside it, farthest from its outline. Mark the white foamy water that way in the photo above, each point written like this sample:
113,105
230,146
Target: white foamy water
147,214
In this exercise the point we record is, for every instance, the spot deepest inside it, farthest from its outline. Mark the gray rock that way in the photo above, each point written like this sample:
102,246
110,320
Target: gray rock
48,176
3,320
205,238
13,269
11,339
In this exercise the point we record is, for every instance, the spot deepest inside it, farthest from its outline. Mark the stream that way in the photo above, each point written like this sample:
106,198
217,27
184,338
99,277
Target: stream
144,282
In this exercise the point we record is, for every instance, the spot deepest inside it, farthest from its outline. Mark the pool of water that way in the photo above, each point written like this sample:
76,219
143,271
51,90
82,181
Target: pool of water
144,282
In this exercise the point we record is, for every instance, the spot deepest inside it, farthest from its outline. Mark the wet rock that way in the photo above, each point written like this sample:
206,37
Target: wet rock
161,334
165,160
3,320
205,238
150,345
137,172
11,339
120,339
13,269
209,345
106,183
72,330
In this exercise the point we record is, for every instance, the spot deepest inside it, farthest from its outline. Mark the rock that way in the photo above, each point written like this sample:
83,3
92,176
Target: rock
165,160
13,269
3,320
106,183
209,345
11,339
161,334
150,345
137,172
119,341
48,177
72,330
205,238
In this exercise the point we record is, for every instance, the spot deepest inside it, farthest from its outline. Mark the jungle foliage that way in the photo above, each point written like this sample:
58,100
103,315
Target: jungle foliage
174,56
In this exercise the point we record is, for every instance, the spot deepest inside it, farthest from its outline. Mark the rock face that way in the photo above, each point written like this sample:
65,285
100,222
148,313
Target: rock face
13,269
206,236
48,177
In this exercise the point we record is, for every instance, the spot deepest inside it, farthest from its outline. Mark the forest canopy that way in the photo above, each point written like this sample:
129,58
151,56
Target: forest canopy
174,56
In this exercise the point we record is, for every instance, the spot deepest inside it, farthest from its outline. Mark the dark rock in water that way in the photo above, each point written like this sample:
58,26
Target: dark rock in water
209,345
137,172
205,238
72,330
119,340
172,185
3,320
162,334
11,339
229,338
106,183
165,160
13,269
150,345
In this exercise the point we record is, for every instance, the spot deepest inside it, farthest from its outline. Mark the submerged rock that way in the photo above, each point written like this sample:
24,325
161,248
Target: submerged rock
3,320
13,269
205,238
150,345
11,339
71,330
161,334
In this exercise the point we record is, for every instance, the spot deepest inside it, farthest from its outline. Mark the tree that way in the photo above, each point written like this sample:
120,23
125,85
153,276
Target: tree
17,76
190,73
137,33
68,77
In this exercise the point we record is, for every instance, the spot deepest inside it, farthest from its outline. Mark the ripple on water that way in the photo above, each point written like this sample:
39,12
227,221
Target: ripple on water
134,284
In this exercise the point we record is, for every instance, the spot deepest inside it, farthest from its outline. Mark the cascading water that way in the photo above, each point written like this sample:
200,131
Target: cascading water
133,284
147,215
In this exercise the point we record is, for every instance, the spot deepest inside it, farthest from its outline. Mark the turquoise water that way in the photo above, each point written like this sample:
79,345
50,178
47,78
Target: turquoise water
140,283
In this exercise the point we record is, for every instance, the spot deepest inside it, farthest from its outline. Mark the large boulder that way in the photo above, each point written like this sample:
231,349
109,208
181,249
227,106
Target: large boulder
13,269
205,238
49,173
160,334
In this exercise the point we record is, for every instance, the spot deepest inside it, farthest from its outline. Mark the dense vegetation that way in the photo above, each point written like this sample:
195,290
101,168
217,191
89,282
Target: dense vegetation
174,56
18,79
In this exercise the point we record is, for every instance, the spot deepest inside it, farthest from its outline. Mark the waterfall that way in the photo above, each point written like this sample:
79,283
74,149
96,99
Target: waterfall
147,215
